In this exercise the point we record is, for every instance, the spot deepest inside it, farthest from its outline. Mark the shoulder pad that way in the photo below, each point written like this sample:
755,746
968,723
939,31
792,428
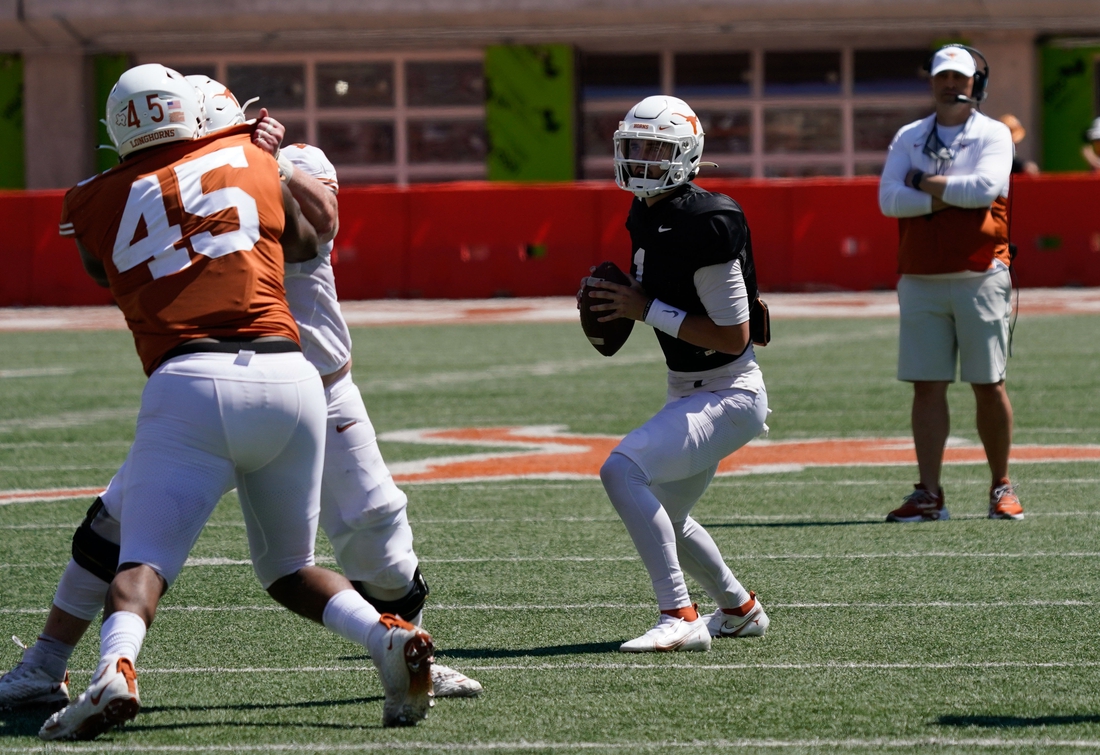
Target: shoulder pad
312,161
700,202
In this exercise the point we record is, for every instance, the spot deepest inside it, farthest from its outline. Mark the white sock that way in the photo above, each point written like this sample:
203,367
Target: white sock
50,655
349,615
122,634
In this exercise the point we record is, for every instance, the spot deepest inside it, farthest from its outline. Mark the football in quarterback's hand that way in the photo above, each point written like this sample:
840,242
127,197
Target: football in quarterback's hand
608,337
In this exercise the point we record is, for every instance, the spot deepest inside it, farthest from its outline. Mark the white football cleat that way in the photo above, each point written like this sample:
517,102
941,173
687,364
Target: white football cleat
405,666
671,634
446,682
753,624
110,700
31,685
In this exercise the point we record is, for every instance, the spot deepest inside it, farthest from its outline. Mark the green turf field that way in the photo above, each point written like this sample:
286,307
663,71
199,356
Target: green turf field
968,635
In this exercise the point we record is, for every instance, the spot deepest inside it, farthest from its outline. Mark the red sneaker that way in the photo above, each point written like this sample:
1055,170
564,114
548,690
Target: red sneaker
1003,502
921,505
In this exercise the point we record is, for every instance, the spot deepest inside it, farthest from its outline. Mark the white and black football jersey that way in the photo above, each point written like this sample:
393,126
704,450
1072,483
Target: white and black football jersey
671,241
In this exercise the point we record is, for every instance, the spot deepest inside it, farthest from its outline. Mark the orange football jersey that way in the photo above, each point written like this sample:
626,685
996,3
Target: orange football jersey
189,236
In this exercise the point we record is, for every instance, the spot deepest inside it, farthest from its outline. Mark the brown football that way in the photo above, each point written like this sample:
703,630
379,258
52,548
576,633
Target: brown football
608,337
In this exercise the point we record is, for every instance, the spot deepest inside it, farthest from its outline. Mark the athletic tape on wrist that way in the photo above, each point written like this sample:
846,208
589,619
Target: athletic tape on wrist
286,167
664,317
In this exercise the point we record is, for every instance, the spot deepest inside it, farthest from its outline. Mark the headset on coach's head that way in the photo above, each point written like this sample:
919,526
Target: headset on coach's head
981,77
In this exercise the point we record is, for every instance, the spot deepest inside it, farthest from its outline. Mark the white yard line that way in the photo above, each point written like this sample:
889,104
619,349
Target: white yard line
878,743
32,372
854,605
221,561
619,666
854,304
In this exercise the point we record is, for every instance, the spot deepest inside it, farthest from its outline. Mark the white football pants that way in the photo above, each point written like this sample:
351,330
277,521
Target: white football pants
659,471
211,421
362,510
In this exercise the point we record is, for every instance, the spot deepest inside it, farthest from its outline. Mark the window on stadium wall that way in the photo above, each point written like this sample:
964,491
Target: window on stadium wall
766,113
396,118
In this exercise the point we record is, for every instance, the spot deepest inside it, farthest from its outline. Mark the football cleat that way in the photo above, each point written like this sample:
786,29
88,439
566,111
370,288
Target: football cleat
749,621
1003,501
921,505
671,634
31,685
405,666
110,700
446,682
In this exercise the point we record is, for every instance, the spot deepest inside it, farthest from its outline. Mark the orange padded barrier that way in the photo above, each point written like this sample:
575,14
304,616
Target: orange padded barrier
471,240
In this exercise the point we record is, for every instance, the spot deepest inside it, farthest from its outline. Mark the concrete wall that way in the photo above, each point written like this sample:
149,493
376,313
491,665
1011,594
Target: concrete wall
57,36
1013,87
57,132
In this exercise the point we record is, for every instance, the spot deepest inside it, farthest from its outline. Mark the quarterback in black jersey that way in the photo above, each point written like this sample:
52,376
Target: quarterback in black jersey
693,281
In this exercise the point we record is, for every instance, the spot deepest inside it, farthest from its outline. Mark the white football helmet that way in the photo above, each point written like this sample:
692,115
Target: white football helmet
222,108
152,105
658,146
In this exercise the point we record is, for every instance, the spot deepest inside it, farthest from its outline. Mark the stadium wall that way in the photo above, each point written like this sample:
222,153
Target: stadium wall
479,240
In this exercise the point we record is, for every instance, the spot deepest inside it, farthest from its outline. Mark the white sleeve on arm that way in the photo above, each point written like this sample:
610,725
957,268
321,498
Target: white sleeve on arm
722,290
990,177
895,199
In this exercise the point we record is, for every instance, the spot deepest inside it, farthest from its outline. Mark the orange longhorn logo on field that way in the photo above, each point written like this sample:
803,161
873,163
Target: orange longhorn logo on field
549,452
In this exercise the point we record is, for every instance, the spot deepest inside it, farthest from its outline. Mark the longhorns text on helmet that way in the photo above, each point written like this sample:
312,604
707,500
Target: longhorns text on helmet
152,105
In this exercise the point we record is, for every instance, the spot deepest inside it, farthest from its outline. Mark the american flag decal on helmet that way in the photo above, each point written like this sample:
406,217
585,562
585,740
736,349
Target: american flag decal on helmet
175,111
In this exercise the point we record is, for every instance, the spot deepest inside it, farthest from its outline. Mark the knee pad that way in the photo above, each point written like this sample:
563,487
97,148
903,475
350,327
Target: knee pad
91,550
406,607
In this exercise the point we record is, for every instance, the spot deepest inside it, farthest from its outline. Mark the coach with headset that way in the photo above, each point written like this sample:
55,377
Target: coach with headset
946,179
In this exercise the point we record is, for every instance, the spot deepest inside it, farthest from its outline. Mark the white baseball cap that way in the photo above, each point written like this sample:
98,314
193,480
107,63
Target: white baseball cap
1093,133
953,58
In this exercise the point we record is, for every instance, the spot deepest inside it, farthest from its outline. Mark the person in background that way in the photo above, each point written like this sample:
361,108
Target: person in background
946,179
1018,133
1091,150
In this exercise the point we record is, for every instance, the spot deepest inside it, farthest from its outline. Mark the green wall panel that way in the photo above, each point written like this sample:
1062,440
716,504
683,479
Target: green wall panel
106,70
11,122
1069,92
530,113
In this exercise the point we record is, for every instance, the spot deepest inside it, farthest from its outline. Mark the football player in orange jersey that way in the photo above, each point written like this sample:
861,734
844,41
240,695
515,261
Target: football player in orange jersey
362,511
191,235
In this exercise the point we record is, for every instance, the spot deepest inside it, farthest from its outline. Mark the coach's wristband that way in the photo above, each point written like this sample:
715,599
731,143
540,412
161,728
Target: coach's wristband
917,177
664,317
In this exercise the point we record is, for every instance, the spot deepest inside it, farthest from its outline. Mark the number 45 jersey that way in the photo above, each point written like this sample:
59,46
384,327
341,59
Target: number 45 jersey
189,236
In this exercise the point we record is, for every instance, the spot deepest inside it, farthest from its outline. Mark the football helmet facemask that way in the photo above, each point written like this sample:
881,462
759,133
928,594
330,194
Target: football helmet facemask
657,146
152,105
222,108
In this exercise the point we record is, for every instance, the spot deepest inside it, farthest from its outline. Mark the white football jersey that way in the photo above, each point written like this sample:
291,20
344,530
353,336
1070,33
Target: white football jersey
311,286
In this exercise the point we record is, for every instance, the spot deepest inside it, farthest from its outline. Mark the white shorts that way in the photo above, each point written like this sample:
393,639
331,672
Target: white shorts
680,447
209,422
949,319
362,509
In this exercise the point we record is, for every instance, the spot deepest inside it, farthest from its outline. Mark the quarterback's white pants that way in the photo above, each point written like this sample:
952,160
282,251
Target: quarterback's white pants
209,422
659,471
362,510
